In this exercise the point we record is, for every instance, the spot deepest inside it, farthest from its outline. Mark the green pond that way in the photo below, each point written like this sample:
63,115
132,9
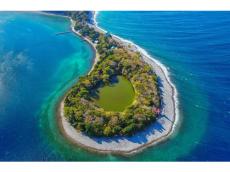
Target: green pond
117,96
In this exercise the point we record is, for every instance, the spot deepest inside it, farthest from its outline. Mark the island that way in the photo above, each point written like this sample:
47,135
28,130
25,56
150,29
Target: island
125,103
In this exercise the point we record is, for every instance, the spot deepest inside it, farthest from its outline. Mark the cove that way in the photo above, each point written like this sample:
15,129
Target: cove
37,68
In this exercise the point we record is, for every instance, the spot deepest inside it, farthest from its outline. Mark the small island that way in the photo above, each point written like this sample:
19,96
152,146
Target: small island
120,99
90,110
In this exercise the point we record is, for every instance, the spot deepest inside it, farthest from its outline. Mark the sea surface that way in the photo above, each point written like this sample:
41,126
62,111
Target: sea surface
37,67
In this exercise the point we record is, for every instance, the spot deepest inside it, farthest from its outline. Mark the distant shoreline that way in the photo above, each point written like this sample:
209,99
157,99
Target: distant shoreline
127,145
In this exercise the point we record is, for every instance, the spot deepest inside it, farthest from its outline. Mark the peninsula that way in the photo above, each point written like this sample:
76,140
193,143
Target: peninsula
124,104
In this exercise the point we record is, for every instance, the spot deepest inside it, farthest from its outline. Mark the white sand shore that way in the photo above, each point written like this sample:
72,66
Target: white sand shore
155,133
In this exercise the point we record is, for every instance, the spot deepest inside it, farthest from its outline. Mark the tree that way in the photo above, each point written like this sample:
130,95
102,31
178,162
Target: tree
107,131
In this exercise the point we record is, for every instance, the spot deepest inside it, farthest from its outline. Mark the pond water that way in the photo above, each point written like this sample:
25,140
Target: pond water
117,96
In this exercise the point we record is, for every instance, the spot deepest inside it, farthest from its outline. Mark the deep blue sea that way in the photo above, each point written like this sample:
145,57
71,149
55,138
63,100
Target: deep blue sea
195,47
37,67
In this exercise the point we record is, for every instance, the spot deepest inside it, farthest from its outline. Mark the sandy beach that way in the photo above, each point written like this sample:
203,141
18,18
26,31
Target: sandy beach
155,133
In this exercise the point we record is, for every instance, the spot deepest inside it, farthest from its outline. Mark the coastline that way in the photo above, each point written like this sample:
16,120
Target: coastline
157,132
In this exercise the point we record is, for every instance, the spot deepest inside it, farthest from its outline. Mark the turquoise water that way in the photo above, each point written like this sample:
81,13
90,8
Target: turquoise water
37,67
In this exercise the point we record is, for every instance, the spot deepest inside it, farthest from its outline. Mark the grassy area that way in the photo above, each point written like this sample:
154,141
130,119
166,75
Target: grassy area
116,96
